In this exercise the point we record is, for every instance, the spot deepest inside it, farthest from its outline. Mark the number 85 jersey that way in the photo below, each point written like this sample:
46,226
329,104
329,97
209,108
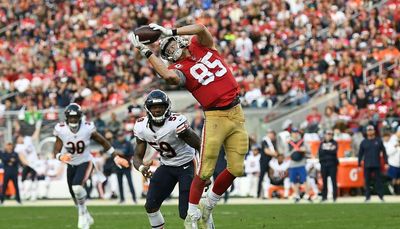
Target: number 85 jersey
173,150
77,143
207,76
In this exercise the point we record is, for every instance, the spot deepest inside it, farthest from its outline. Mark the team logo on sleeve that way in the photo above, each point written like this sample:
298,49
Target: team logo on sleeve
178,65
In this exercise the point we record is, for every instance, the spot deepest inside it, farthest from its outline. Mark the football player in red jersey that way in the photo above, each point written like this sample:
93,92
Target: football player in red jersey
197,65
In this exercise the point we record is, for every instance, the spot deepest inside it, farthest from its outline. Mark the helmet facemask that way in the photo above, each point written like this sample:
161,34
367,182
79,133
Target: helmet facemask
158,119
74,122
73,115
158,107
172,48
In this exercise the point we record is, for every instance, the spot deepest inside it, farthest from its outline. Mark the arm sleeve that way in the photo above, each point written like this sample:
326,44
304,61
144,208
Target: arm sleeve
92,127
137,132
56,130
182,124
182,78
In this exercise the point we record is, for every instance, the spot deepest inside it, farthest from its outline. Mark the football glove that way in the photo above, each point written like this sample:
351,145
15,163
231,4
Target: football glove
145,171
65,157
164,31
134,39
121,162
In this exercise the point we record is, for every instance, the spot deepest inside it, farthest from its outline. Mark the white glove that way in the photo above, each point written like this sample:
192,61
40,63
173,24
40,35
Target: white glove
164,31
134,39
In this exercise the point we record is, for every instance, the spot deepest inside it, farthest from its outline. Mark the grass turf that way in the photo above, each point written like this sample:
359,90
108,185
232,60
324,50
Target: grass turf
310,216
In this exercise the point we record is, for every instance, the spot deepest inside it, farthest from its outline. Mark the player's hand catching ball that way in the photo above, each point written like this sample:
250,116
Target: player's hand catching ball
65,157
164,31
134,39
144,169
121,162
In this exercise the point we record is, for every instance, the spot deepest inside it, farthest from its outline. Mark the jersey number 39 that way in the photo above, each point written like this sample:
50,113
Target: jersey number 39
201,73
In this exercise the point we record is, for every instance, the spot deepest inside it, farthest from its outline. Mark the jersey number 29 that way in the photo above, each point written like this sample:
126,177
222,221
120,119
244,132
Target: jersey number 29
201,73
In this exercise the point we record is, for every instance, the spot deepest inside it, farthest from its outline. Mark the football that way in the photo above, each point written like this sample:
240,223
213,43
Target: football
147,35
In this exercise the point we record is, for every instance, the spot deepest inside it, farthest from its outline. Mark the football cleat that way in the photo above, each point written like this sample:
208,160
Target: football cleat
83,222
89,218
205,215
190,224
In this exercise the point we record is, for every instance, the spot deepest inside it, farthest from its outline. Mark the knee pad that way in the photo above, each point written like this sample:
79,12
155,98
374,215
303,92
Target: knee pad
151,206
79,191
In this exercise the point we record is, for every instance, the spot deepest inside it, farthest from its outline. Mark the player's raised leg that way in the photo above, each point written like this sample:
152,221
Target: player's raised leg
213,136
236,146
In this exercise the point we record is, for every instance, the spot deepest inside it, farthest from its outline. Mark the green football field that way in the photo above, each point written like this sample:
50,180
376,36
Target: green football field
289,216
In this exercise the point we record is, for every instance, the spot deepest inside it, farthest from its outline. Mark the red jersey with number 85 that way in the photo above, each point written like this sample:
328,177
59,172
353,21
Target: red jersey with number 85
208,77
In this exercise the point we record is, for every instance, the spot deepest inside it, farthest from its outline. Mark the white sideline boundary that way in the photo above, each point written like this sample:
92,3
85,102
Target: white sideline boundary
231,201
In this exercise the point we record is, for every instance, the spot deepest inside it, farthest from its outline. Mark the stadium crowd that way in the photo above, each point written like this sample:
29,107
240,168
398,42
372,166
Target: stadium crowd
54,52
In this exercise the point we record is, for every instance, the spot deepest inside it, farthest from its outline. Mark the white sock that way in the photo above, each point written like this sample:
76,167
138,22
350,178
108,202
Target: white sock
212,199
193,211
80,195
156,220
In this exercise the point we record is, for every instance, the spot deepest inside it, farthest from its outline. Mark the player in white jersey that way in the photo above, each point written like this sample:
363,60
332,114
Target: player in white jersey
72,147
169,134
278,174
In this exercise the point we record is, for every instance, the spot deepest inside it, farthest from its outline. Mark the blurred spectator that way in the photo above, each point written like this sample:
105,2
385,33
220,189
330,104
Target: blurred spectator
135,109
313,169
284,136
109,170
252,170
330,118
198,122
252,96
244,46
268,151
393,153
100,124
11,161
297,166
328,159
313,120
125,149
29,173
278,174
114,125
361,99
370,152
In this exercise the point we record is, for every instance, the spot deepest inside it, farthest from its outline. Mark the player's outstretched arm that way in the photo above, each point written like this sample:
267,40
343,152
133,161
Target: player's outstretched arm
97,137
191,138
57,151
170,76
138,158
203,35
119,161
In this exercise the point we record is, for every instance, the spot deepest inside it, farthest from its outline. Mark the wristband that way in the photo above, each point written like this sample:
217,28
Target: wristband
110,150
148,53
174,32
58,156
141,168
